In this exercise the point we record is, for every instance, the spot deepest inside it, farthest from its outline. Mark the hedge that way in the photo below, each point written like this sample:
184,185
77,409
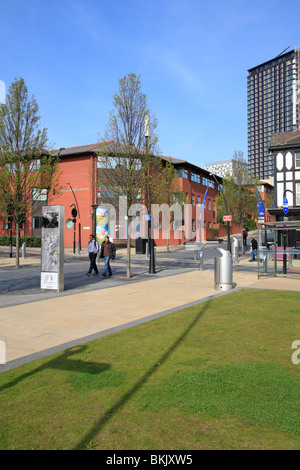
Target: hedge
30,241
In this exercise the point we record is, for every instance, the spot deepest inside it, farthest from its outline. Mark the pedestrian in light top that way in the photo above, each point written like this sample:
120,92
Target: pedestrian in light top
93,248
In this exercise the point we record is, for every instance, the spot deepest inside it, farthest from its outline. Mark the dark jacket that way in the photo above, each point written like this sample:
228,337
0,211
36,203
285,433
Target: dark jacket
254,244
111,247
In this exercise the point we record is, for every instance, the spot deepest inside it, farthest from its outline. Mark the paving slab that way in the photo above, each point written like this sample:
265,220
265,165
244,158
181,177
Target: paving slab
40,328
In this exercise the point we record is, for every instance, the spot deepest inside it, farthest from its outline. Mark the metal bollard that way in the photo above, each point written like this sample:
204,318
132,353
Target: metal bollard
235,250
201,266
24,250
265,263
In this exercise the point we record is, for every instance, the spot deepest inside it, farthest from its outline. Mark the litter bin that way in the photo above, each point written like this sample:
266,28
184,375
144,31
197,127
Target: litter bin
140,246
223,270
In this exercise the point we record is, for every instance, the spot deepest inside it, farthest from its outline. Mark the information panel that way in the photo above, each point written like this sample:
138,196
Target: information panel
52,267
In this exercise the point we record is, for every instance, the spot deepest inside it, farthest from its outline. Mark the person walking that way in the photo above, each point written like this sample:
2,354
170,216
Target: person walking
107,252
245,235
93,248
253,249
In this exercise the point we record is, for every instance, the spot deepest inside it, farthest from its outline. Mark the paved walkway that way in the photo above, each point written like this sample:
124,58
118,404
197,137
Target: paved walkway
38,329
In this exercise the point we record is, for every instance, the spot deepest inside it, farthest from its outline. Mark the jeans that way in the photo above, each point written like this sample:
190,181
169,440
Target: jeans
107,269
93,265
253,254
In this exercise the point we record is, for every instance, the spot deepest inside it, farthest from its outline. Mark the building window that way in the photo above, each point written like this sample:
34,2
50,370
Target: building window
35,165
198,201
297,162
182,173
101,162
297,194
39,194
193,199
209,207
6,224
36,222
207,182
195,177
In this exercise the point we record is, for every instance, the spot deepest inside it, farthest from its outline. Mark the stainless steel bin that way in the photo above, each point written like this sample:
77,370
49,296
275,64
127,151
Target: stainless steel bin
223,270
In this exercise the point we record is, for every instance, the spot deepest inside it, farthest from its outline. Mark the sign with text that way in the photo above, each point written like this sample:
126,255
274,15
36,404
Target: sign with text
227,218
52,241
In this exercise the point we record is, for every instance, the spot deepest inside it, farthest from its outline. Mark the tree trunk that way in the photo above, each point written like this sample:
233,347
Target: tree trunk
242,238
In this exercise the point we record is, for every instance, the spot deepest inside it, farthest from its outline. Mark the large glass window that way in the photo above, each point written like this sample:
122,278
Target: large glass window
297,162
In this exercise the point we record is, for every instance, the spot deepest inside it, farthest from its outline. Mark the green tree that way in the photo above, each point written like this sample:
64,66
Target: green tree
239,193
28,172
127,149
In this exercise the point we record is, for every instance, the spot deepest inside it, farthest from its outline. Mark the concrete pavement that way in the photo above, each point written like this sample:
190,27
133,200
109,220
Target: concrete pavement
38,329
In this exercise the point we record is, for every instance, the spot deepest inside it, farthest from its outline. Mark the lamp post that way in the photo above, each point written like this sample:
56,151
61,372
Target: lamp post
79,225
226,207
148,201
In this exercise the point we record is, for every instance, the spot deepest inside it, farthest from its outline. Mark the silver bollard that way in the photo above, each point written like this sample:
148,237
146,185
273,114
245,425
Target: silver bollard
201,266
235,250
265,263
24,250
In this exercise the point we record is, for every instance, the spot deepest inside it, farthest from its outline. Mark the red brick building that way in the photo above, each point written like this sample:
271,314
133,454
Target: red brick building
79,167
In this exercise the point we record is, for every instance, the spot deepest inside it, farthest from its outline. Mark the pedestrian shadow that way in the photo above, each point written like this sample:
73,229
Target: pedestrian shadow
64,362
109,414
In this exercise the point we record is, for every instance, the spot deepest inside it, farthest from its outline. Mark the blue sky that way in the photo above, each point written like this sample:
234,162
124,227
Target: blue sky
192,56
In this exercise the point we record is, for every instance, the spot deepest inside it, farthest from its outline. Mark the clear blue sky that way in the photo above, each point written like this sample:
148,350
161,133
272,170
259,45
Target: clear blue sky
192,56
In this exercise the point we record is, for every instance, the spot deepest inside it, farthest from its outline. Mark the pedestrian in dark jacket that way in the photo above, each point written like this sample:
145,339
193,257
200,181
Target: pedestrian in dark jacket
107,252
253,249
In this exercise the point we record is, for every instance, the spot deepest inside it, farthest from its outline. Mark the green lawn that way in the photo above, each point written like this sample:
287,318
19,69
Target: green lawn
218,375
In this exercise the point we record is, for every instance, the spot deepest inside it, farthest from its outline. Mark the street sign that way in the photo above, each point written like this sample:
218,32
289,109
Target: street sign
227,218
285,205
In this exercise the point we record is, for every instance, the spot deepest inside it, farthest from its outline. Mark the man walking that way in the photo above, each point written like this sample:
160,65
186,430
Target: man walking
107,252
253,249
93,248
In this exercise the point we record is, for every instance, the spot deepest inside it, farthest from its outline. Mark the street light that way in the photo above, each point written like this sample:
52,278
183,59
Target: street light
226,207
79,225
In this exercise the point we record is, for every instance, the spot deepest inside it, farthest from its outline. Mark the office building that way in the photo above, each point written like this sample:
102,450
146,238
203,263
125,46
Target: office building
273,107
223,168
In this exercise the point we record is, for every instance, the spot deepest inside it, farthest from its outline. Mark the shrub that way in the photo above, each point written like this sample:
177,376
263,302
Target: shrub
30,241
212,232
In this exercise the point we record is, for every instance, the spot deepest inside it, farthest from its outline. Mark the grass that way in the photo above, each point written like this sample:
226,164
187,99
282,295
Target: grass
218,375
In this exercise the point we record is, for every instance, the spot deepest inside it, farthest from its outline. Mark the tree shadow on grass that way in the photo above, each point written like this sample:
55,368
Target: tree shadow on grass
63,362
101,423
